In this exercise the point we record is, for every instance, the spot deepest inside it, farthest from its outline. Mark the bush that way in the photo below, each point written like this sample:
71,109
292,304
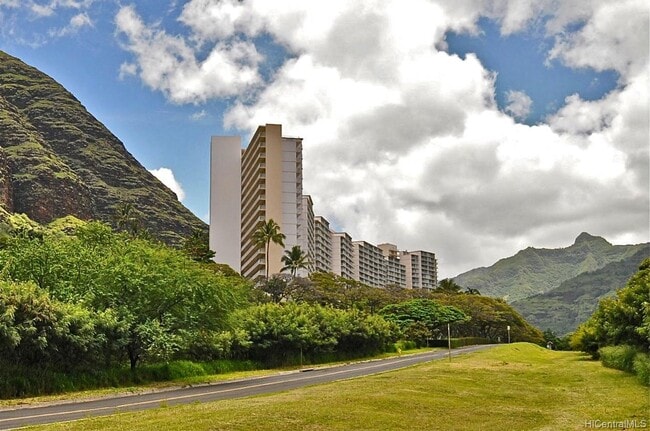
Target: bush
641,366
618,357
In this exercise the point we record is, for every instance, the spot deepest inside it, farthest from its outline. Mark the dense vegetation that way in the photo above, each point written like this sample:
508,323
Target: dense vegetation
82,305
56,159
619,331
535,271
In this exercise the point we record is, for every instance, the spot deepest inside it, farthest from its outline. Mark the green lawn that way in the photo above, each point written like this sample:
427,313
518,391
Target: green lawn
511,387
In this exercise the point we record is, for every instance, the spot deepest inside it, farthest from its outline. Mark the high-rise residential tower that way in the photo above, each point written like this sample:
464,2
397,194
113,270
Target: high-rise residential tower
225,199
264,183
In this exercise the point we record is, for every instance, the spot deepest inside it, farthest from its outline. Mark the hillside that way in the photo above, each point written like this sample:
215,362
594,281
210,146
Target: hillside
562,309
56,159
535,271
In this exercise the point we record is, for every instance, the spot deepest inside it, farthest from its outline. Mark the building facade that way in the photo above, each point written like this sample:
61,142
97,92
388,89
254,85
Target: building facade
395,270
323,245
421,269
270,187
368,264
225,200
306,238
342,263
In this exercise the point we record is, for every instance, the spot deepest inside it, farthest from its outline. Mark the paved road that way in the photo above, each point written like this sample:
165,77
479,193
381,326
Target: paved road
11,418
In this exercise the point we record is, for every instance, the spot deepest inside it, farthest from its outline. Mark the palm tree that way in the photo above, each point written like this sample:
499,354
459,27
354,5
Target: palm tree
294,260
268,232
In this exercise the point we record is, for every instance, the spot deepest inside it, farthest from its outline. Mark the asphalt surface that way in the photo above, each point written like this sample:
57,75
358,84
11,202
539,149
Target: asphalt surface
16,417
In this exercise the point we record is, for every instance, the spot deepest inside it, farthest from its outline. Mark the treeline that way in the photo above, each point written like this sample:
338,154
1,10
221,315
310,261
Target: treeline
82,305
618,333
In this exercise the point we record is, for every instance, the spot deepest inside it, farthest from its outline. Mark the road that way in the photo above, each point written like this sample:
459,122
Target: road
15,417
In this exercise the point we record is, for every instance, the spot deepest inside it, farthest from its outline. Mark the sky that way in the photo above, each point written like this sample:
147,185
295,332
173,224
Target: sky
471,128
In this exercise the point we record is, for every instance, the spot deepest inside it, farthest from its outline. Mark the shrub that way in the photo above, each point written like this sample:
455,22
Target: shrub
641,366
618,357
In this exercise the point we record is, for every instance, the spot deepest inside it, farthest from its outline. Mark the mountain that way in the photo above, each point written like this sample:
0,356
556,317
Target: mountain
562,309
56,159
535,271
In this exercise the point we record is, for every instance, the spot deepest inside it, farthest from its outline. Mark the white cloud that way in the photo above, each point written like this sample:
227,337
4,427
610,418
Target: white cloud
199,115
166,176
77,22
404,142
171,64
519,104
128,69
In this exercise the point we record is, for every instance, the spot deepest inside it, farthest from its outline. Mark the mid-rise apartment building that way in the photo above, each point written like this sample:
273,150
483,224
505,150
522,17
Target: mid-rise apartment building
368,264
395,270
342,263
306,238
323,244
421,269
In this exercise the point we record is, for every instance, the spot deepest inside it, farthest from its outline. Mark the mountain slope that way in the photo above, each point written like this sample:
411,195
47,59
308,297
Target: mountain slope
562,309
534,271
56,159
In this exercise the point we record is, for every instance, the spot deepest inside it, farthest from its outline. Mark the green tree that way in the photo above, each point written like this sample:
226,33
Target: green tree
197,246
267,233
622,319
294,260
448,285
420,319
158,295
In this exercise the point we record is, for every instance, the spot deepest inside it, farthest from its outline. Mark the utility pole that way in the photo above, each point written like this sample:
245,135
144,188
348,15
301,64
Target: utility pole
449,340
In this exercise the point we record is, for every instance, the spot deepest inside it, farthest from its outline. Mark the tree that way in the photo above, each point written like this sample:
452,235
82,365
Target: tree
420,319
448,285
197,246
126,218
294,260
158,296
622,319
267,233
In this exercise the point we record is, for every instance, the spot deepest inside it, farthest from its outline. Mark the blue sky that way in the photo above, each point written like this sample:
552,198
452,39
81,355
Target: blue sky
377,93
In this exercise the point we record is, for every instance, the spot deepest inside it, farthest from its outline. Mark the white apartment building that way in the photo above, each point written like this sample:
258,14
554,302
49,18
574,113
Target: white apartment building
368,264
306,238
270,187
421,269
342,263
395,270
225,200
323,244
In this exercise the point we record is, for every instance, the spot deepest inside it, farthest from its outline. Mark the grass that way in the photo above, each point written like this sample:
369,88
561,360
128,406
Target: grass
180,382
514,387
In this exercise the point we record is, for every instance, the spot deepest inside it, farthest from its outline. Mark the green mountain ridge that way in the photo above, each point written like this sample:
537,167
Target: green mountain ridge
534,271
562,309
56,159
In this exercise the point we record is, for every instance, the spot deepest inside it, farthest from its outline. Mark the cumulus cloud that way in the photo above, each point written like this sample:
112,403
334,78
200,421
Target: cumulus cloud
171,64
166,176
518,104
404,142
